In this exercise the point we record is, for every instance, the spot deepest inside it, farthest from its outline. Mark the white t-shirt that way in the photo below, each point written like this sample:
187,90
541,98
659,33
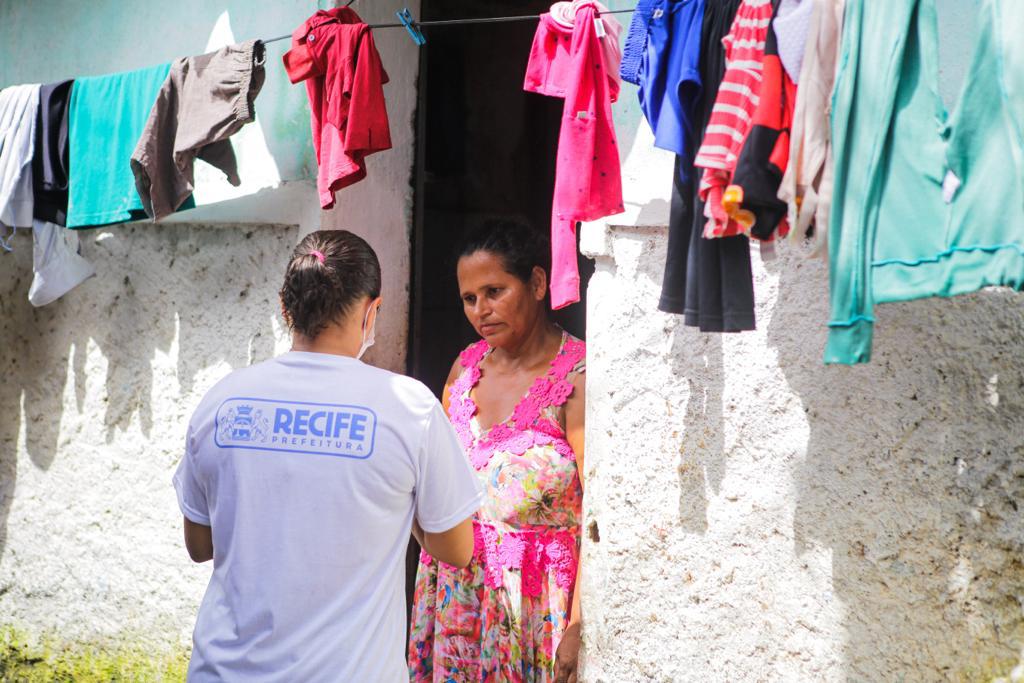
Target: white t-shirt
18,107
310,468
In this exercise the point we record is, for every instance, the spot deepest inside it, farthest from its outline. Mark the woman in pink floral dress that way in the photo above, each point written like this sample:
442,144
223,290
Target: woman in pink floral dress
516,400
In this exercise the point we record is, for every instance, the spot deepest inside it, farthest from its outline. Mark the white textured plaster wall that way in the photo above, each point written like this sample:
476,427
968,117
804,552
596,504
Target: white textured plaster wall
98,386
763,517
97,390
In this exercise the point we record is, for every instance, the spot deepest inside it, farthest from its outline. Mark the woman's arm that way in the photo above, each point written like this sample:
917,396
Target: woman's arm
198,541
454,546
575,423
575,434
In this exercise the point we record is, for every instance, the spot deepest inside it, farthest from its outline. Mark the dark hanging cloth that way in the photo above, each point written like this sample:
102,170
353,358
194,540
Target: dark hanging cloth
709,281
50,157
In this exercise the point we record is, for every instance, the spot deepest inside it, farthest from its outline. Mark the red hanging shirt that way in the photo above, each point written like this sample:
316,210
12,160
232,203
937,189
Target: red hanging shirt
334,53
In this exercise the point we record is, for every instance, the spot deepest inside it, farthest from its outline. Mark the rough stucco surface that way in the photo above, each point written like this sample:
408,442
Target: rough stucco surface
764,517
98,388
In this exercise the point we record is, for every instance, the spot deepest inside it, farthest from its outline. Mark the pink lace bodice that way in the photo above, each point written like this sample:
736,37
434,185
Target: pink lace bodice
530,519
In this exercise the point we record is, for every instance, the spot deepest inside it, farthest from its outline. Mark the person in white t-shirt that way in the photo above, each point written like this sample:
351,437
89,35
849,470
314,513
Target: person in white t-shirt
302,478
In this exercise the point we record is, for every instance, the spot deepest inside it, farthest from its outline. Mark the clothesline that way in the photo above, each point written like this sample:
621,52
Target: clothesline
456,22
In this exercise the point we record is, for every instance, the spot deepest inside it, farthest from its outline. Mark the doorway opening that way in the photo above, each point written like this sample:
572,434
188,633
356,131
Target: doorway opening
485,149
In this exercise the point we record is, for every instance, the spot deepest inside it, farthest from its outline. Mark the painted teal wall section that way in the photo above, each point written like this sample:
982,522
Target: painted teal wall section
628,116
47,40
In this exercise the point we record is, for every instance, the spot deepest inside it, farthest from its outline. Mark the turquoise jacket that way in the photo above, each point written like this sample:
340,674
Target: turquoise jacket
926,202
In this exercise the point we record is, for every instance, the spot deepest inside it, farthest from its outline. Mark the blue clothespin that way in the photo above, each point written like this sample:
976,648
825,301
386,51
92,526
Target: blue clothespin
405,16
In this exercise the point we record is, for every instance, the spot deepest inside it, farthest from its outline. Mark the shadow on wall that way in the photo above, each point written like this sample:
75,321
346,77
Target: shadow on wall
654,212
168,303
644,404
698,358
913,475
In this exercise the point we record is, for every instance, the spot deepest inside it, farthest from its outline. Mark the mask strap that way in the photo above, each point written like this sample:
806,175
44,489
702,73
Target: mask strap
366,318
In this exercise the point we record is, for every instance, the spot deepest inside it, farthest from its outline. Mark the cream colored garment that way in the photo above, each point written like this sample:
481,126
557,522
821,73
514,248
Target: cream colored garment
807,183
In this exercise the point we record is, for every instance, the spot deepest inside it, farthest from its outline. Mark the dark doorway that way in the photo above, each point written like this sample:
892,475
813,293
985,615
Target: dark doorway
485,149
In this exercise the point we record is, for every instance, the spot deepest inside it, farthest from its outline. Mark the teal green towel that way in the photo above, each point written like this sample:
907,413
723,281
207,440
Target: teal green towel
106,118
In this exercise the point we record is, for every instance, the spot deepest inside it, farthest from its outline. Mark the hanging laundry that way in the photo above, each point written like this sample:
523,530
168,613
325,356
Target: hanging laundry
588,179
50,157
106,117
731,118
565,14
754,190
791,27
18,106
202,103
927,202
57,266
1013,73
807,183
550,72
334,53
710,282
662,57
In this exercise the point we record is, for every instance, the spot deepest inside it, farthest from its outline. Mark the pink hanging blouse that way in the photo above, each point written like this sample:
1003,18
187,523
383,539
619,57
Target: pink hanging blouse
571,63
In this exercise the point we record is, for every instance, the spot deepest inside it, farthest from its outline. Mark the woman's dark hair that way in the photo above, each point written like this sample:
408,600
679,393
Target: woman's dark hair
520,247
329,271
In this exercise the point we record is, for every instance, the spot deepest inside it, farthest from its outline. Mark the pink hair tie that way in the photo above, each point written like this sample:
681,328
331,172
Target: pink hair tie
319,256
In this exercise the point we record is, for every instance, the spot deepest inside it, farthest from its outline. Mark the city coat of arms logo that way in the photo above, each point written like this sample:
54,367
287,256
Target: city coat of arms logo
244,423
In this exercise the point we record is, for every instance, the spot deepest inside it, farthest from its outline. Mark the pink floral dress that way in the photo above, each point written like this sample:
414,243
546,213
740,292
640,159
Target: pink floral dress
501,618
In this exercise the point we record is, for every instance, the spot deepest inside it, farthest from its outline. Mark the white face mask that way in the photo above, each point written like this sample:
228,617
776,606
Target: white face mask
368,334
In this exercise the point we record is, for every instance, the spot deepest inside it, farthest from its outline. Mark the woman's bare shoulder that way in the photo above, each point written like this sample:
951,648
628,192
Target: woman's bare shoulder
454,373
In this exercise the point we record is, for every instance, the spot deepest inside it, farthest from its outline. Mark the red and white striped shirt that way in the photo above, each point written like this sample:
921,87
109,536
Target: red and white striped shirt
738,97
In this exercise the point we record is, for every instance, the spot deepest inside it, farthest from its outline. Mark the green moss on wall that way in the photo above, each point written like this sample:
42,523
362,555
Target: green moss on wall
23,660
